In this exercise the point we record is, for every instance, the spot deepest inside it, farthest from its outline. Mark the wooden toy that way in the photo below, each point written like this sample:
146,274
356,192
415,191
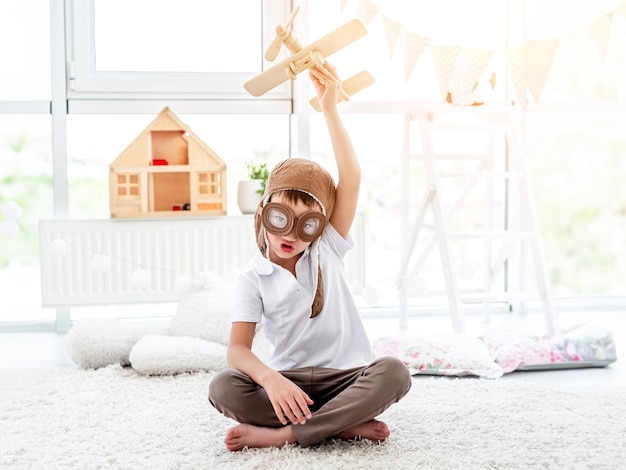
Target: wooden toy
165,169
351,86
303,58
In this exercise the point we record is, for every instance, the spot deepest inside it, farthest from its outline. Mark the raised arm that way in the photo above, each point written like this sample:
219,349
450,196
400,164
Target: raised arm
327,87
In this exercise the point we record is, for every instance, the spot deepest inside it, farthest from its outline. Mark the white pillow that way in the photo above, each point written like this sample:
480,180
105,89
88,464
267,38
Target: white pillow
98,343
167,355
453,354
206,309
205,312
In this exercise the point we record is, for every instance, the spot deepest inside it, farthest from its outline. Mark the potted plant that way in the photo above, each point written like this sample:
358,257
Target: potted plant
250,191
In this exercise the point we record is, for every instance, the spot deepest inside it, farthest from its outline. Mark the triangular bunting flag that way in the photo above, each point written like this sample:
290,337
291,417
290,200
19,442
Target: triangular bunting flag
392,31
414,46
599,32
366,10
539,57
444,60
516,66
468,68
343,4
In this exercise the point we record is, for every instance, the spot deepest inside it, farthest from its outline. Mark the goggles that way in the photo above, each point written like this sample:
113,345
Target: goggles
279,219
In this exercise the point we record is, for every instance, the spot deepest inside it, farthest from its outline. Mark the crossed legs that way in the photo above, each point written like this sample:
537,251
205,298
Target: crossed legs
345,404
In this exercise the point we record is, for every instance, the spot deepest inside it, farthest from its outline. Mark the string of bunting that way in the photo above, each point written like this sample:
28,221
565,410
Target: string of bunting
458,69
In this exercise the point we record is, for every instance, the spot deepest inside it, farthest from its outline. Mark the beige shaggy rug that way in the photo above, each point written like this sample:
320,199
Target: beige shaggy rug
114,418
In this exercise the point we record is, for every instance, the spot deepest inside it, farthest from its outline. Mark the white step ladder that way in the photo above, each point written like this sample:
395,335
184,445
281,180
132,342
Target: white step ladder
521,231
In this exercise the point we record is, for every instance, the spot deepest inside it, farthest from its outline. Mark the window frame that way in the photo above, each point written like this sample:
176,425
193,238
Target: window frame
85,82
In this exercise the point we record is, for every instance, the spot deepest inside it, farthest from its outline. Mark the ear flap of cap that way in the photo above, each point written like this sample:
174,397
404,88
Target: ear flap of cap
318,300
258,228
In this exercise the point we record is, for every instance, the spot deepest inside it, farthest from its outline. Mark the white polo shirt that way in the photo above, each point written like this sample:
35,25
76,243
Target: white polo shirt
269,294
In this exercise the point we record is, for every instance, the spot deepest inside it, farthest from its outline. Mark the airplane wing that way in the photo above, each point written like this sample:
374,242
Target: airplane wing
351,86
327,45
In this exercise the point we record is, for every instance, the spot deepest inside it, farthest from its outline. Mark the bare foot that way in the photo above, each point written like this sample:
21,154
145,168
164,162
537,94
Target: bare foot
247,435
373,430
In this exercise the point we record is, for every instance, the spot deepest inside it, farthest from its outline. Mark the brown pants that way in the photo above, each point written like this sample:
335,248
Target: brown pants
341,398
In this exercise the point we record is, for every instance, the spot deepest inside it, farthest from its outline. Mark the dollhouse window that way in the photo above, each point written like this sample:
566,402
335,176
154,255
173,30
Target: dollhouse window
128,185
209,184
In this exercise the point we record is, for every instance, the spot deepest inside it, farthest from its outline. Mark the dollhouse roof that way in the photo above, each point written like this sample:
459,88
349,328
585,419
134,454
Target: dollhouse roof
137,153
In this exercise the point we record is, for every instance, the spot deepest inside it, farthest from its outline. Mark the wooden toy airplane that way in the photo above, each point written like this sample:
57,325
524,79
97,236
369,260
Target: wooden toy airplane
303,58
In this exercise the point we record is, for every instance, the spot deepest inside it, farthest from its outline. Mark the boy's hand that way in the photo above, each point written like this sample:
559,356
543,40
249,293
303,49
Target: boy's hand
327,85
290,403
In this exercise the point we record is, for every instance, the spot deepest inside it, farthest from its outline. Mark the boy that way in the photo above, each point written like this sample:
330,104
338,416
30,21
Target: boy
323,379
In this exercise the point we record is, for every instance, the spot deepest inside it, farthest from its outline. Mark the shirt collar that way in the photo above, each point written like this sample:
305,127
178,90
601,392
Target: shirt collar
263,266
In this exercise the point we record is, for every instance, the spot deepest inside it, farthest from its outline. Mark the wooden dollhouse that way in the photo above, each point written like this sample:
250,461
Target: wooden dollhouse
167,171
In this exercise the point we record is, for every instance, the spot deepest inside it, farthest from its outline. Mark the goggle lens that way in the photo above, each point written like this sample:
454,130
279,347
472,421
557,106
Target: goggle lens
311,227
279,219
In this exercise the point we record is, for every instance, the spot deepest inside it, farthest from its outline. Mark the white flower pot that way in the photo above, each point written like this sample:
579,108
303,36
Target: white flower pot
247,196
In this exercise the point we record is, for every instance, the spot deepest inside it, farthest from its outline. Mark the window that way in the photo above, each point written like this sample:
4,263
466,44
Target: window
576,160
123,69
159,48
573,129
25,152
25,197
25,70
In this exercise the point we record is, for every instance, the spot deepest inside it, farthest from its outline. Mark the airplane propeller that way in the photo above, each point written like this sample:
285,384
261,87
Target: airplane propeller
284,35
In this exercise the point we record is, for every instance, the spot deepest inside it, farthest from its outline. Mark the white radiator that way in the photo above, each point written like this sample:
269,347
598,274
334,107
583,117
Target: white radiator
117,261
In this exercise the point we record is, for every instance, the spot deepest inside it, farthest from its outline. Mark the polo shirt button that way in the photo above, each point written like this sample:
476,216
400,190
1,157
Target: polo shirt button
302,282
